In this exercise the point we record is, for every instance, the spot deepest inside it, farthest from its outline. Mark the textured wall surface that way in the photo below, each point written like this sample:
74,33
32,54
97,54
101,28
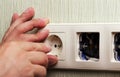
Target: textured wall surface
66,11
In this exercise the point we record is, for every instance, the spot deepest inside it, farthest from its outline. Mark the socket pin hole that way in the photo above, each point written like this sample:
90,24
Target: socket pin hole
55,46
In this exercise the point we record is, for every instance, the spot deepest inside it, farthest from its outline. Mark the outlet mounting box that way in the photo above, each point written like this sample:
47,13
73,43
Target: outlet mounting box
86,46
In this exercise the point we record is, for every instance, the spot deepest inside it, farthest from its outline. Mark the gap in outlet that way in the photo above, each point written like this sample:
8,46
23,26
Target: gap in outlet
88,46
116,45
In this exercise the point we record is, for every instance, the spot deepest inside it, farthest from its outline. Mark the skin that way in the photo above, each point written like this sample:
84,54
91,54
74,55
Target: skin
22,54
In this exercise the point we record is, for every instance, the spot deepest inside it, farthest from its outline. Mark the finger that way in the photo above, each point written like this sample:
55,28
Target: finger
39,58
26,15
41,47
27,26
39,36
14,17
39,71
52,60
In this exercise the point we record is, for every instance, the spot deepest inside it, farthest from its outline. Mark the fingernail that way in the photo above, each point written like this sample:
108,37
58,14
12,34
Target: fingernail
28,10
43,22
52,60
46,20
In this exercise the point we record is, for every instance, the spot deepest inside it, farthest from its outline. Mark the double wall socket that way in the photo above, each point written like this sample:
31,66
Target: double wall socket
85,46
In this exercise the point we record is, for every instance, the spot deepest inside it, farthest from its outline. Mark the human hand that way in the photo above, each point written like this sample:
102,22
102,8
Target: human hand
24,59
20,53
20,25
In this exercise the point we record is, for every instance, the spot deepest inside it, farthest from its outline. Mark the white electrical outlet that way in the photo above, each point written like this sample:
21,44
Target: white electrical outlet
57,42
85,46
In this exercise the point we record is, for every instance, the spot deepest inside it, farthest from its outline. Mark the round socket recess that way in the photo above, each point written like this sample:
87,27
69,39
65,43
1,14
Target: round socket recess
56,44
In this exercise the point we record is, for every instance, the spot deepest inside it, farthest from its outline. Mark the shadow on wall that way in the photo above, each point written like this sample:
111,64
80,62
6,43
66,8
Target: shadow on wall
81,73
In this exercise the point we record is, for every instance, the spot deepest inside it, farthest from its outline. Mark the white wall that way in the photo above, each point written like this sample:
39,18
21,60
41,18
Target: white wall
65,11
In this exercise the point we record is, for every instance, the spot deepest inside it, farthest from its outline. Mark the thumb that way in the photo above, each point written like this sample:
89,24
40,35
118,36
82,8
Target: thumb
52,60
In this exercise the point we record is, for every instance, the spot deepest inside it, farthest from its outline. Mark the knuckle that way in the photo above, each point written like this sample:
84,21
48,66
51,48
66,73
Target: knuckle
21,19
45,59
27,70
39,71
37,22
12,43
31,22
34,22
9,45
18,28
45,48
33,47
44,72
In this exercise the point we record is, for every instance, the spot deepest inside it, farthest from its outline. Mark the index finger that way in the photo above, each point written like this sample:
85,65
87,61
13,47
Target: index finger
29,25
25,16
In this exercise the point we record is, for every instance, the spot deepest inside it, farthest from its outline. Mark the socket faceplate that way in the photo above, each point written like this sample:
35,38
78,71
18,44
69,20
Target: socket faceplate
71,35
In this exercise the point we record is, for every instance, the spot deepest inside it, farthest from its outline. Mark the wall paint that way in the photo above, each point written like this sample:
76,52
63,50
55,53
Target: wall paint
65,11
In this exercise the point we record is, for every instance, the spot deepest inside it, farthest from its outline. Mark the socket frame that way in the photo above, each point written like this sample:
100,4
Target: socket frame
106,61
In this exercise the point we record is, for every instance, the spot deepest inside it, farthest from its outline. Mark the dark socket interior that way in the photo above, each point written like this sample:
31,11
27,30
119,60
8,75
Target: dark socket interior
117,46
88,45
